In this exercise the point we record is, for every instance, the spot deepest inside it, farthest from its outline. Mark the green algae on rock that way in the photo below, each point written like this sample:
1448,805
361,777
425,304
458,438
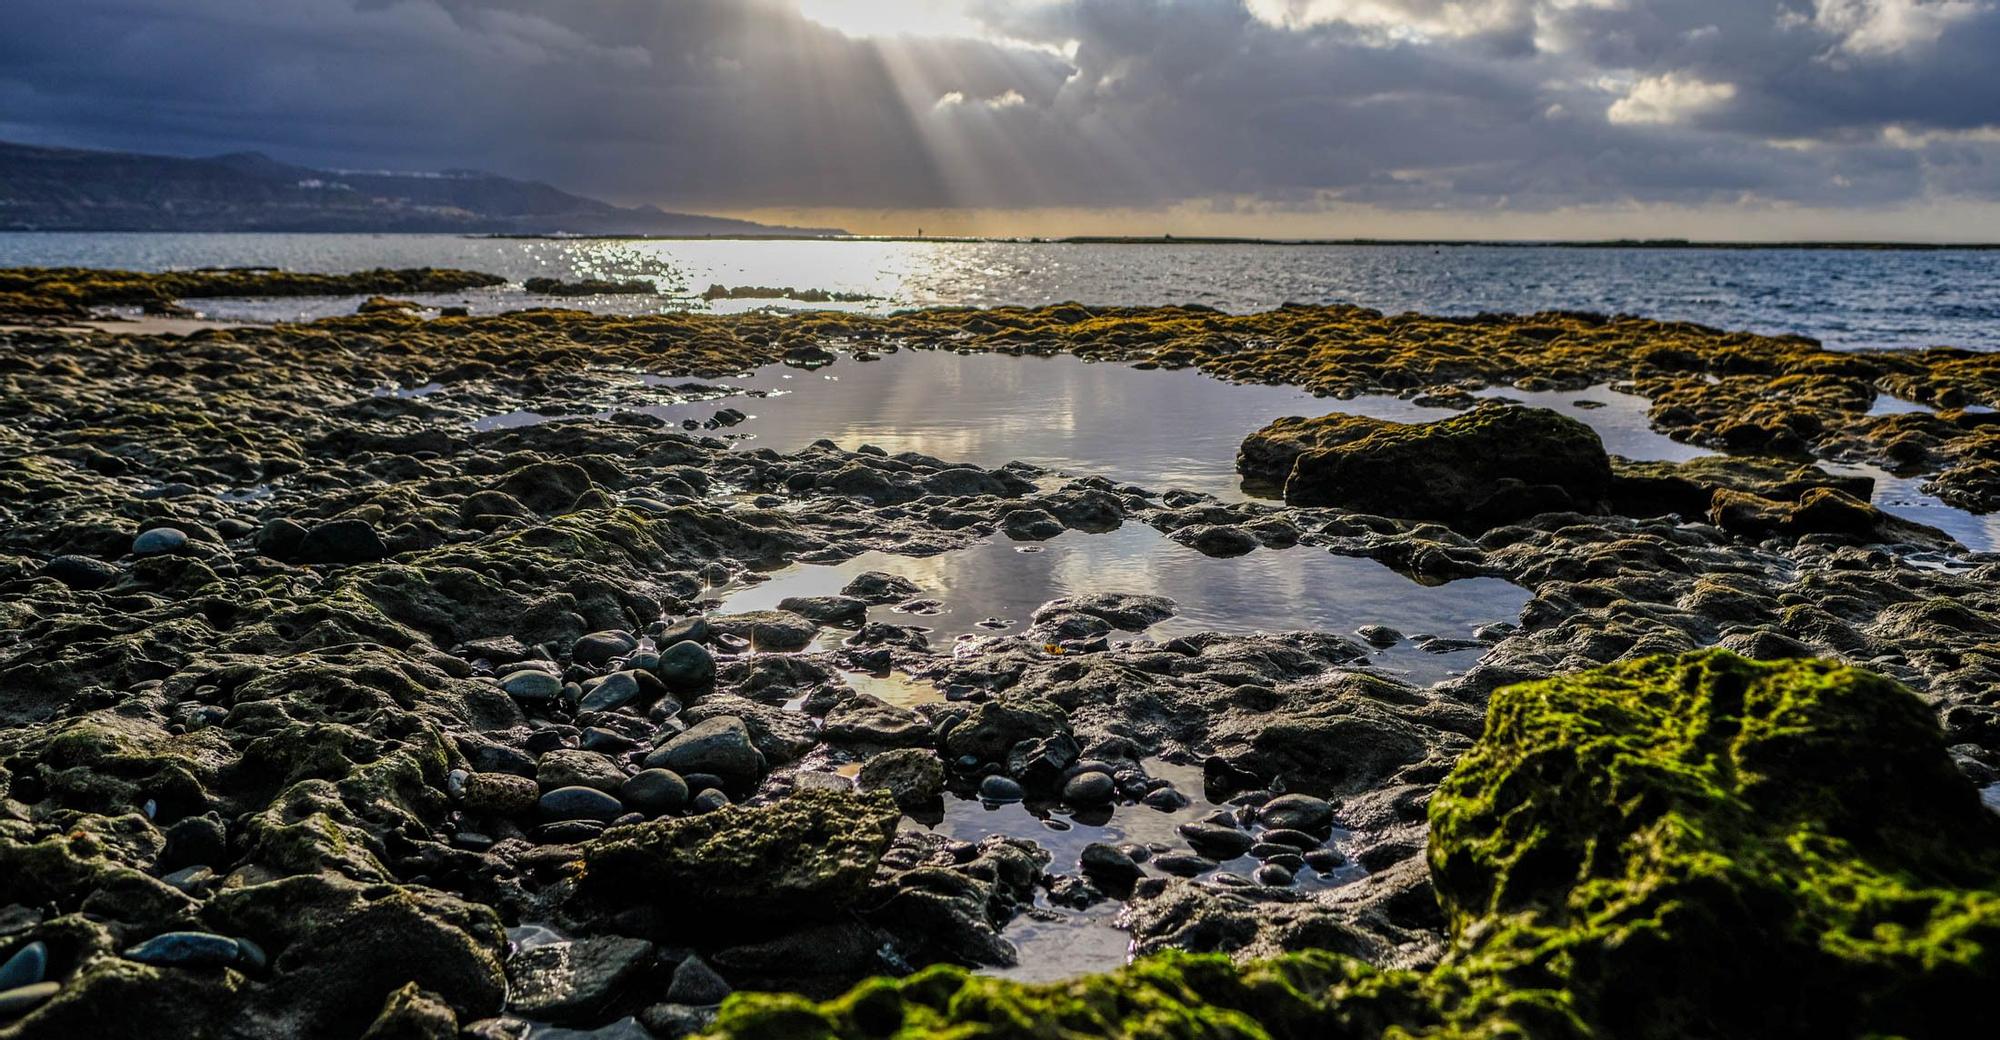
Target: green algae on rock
809,855
1676,846
1486,466
589,287
1707,845
69,292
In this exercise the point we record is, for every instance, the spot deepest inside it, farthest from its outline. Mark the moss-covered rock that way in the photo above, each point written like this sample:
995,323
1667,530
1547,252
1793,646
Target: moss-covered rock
1653,488
1679,846
1710,846
807,856
1492,464
1818,511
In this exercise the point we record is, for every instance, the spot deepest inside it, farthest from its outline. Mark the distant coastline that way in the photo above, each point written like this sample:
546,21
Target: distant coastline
1176,240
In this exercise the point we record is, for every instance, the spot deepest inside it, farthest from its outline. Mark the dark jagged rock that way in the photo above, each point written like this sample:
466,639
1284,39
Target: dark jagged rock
1487,466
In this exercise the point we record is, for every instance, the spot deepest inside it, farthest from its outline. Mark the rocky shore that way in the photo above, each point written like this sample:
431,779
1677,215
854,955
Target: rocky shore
325,712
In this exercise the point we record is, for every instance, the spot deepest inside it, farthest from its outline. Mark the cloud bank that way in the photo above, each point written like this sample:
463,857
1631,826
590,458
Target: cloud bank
1473,106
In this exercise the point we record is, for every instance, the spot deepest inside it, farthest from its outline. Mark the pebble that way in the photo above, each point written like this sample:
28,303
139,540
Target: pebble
1164,799
572,768
580,803
912,776
1181,864
601,647
720,745
1325,860
880,587
655,791
827,610
708,801
1102,862
1091,788
80,572
702,781
22,999
1381,637
597,738
501,794
1000,789
530,684
28,965
613,691
696,983
1299,812
186,950
342,541
1214,839
692,629
1284,836
158,541
1273,874
643,661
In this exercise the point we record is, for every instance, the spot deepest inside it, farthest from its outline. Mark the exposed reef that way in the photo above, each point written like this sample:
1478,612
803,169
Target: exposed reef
40,294
769,292
329,706
589,287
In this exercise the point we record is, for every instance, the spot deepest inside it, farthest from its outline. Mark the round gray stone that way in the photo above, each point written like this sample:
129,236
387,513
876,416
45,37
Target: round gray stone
531,684
686,665
580,803
654,791
159,541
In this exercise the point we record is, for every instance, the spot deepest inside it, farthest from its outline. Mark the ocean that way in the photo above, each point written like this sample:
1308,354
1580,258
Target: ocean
1846,298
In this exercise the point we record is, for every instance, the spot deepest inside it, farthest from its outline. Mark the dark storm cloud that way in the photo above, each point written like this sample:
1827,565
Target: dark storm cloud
1458,104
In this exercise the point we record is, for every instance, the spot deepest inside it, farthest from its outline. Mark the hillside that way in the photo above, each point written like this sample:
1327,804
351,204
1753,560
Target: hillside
61,189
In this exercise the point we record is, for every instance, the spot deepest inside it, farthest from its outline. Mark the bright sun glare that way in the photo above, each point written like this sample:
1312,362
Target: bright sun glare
892,17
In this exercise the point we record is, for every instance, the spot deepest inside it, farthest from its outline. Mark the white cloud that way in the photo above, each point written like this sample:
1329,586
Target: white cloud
1877,27
1672,98
1399,17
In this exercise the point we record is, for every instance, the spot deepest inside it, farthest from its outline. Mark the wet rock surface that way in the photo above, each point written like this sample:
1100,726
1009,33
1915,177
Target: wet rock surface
396,684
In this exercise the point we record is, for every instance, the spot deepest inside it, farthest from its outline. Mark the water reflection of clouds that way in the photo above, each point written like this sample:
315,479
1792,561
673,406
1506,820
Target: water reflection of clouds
1300,589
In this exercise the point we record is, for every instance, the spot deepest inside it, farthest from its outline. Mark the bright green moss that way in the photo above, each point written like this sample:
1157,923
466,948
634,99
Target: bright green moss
1707,845
1673,847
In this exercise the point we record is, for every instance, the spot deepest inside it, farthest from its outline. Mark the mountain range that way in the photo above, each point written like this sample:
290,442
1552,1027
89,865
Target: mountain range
66,189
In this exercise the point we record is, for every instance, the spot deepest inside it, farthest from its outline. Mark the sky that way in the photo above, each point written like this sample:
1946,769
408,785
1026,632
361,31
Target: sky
1714,119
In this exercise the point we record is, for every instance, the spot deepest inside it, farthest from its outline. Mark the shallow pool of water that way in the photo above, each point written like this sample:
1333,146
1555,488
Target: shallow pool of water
1906,497
1156,428
1297,589
1078,941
